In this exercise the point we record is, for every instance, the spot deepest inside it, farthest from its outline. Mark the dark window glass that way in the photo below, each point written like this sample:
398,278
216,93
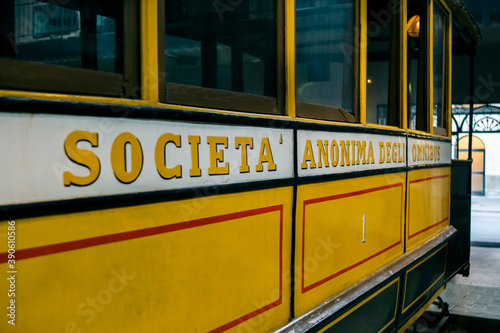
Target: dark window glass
417,53
221,45
382,29
325,54
79,34
438,37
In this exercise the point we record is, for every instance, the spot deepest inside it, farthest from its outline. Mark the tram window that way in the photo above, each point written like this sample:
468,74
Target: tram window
325,59
222,55
382,65
51,42
439,25
417,65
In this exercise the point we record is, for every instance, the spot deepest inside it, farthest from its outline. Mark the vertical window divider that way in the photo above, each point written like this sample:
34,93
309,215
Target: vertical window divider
162,75
449,56
447,67
290,59
362,54
149,50
280,61
404,65
430,68
130,48
88,37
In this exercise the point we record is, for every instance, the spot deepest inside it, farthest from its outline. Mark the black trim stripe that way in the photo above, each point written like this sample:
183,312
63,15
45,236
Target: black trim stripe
294,225
58,107
40,106
310,126
77,205
347,175
429,166
428,137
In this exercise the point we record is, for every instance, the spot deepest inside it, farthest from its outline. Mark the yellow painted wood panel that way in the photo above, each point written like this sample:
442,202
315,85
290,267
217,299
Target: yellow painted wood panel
428,210
214,264
345,231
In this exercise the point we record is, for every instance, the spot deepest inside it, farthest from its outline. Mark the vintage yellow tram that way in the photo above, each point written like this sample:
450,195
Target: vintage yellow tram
228,165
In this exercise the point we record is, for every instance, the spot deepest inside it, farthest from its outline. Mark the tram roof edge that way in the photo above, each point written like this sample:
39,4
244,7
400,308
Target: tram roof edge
463,16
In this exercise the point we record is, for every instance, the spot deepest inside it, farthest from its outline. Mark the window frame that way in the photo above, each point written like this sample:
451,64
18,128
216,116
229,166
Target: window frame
446,109
40,77
425,89
194,96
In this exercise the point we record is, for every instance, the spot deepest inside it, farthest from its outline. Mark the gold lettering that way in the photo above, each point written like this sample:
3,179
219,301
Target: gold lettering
388,145
353,145
400,157
308,156
382,153
322,153
371,158
118,157
361,148
161,156
266,155
334,153
217,156
194,141
344,152
243,142
394,152
420,152
83,157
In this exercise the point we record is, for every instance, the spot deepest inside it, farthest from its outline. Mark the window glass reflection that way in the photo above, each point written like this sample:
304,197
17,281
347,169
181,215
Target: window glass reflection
438,37
71,33
229,47
381,42
416,60
325,53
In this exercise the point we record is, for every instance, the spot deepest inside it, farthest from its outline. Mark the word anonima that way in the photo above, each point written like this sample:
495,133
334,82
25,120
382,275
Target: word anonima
216,165
346,153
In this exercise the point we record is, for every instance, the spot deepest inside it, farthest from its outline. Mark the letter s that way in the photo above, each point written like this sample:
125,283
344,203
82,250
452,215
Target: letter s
83,157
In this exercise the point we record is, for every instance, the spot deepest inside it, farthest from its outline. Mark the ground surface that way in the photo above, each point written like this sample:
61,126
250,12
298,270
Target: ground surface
474,301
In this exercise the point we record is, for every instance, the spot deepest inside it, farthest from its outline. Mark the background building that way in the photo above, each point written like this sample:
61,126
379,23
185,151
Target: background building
486,96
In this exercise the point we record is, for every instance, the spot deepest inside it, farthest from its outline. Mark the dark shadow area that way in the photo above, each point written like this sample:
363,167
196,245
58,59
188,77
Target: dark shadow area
464,324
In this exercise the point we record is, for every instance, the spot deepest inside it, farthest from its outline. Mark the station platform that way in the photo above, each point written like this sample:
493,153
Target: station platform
478,295
485,225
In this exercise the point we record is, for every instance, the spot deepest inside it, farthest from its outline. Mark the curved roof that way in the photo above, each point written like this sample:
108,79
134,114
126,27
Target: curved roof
462,15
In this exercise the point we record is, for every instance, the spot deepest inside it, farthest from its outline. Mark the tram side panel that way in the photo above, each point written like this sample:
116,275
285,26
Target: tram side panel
427,215
350,211
386,212
428,202
148,268
208,264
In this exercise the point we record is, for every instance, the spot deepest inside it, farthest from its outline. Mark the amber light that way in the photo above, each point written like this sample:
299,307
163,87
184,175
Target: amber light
414,26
